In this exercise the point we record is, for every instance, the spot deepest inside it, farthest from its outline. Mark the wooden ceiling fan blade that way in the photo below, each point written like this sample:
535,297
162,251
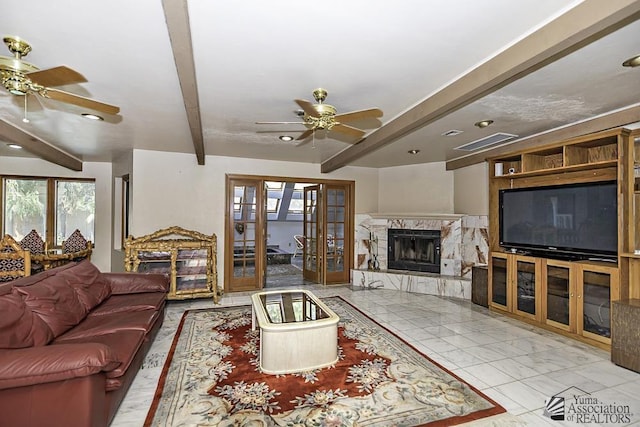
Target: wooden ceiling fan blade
307,107
80,101
359,115
57,76
279,123
306,134
348,130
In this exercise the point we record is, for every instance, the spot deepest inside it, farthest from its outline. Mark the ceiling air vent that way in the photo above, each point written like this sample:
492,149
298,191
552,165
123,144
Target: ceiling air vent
496,138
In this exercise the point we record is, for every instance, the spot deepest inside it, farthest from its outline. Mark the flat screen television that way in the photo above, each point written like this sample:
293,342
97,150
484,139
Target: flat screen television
575,221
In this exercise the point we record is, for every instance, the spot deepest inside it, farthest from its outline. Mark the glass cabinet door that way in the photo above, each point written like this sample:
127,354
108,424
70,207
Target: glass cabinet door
526,281
596,290
154,262
559,311
191,270
499,280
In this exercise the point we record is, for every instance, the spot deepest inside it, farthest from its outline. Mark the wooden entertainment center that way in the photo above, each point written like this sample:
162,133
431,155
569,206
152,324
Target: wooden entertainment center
572,297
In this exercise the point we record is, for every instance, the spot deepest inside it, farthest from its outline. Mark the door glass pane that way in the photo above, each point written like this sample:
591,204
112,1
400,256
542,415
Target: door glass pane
244,231
311,233
335,230
558,294
499,281
25,207
526,287
596,300
75,209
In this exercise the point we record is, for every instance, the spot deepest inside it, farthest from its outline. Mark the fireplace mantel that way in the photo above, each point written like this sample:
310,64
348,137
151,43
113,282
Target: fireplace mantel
431,216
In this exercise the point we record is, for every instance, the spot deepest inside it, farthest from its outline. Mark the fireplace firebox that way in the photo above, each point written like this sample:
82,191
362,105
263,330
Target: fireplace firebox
414,250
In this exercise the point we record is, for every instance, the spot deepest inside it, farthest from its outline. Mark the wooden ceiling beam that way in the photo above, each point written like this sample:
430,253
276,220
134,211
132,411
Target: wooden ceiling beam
615,119
38,146
177,16
585,23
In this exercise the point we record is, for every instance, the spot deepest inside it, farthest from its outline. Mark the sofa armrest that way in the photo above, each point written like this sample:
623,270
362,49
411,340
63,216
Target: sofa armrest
54,362
133,283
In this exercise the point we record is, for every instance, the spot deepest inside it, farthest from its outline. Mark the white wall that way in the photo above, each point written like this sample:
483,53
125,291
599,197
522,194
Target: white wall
101,172
172,189
122,166
471,190
415,189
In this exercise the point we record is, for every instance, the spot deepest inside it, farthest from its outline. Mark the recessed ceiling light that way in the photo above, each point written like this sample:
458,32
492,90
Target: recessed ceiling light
91,116
413,151
632,62
286,138
483,123
14,146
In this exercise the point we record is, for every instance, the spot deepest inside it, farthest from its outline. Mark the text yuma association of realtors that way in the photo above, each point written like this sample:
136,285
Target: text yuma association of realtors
587,410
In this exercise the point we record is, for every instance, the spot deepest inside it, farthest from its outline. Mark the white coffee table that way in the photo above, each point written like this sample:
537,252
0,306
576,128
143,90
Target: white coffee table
298,332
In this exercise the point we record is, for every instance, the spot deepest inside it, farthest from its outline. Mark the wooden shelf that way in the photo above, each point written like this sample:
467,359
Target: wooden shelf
563,169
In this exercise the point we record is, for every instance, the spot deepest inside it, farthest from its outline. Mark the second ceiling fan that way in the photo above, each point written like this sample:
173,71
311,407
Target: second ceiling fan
22,79
321,116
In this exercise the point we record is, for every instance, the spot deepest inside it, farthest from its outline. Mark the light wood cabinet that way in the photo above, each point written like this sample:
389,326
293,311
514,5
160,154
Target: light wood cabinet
571,297
186,256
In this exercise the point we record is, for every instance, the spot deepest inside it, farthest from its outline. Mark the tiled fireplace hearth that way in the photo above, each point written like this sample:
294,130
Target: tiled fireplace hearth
463,244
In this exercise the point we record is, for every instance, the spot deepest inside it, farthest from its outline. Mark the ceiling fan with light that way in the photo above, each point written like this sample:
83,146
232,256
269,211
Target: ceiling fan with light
22,78
321,116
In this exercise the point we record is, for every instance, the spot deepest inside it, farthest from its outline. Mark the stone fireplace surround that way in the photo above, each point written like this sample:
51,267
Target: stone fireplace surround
464,243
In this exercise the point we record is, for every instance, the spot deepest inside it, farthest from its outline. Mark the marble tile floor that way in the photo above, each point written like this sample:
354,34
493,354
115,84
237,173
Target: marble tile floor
515,364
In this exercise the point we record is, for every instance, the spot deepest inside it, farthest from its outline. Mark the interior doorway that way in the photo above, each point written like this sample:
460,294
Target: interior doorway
287,232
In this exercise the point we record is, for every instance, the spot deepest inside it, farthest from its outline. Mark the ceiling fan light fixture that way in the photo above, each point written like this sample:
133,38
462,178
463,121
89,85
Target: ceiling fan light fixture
632,62
414,151
91,116
483,123
286,138
15,83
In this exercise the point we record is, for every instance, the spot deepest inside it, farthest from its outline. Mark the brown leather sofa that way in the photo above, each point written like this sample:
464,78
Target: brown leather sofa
71,342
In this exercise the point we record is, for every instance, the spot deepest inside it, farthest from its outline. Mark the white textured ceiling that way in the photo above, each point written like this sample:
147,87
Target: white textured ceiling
253,58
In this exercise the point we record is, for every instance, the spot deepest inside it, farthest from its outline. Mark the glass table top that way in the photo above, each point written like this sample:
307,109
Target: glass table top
292,307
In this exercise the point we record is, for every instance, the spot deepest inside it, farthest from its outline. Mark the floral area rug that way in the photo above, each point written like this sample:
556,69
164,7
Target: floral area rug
211,378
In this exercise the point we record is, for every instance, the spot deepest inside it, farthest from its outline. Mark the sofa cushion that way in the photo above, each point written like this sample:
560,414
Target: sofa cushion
51,363
19,327
94,326
87,281
128,303
123,345
55,302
